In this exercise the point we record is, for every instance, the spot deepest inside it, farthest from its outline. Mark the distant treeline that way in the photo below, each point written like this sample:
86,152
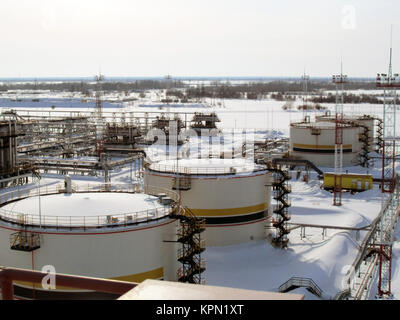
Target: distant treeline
349,98
279,90
86,87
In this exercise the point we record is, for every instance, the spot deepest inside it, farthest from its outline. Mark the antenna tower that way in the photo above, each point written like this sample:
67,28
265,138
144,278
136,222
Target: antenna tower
99,115
389,82
305,78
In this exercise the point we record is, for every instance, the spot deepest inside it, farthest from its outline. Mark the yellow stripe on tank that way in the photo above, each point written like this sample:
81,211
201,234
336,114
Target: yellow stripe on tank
229,211
139,277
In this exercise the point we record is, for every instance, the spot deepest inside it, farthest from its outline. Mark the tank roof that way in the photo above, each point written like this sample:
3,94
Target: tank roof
318,125
85,209
346,117
207,166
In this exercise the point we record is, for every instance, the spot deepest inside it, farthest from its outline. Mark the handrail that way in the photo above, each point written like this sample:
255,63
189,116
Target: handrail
98,221
205,170
301,282
369,239
342,294
299,161
365,281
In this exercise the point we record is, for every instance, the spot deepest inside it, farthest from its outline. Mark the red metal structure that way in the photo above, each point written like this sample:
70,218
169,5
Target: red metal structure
385,270
338,183
8,275
339,81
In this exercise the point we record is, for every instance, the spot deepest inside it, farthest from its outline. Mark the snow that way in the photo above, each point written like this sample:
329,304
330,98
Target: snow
173,105
325,258
86,204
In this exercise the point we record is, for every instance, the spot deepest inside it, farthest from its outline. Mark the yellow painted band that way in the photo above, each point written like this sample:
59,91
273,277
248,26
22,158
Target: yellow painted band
316,146
229,211
344,175
139,277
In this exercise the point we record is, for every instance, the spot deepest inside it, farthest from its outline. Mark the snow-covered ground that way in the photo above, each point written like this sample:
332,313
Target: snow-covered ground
257,265
323,257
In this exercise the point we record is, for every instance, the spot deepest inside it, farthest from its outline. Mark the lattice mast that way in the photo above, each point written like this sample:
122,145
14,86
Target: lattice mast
305,78
99,115
339,81
389,82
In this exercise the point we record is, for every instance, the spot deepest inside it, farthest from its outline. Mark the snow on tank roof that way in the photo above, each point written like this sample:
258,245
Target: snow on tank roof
97,208
207,166
318,124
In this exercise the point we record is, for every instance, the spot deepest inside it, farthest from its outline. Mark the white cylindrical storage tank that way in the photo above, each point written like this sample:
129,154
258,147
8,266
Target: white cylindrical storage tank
366,123
114,235
233,195
315,141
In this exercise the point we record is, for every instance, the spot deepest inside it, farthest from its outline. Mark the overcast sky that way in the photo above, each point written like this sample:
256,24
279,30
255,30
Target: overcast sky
197,37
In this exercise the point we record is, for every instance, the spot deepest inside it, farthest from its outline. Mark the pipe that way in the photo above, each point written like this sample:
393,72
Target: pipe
8,275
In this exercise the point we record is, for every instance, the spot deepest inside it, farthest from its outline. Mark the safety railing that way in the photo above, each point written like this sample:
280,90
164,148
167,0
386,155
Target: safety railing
183,252
206,170
277,207
97,221
375,233
24,241
296,282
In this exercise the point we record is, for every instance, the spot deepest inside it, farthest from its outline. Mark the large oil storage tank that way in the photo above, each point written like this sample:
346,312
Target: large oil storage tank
365,122
232,195
107,232
315,141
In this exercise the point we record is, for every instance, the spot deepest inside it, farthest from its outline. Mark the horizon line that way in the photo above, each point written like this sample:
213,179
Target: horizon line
165,77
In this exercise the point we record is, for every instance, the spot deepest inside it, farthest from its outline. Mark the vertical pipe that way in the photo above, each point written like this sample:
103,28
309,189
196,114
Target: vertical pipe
11,164
33,269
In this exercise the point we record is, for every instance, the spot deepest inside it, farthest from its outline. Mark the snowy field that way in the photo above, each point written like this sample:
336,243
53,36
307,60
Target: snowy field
257,265
323,257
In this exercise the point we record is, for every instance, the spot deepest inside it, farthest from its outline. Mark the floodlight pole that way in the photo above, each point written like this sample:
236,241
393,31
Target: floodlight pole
339,81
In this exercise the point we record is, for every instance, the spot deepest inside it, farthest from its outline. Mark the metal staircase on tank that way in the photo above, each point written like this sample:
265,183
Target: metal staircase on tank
24,240
36,173
189,235
281,189
183,183
379,139
364,138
